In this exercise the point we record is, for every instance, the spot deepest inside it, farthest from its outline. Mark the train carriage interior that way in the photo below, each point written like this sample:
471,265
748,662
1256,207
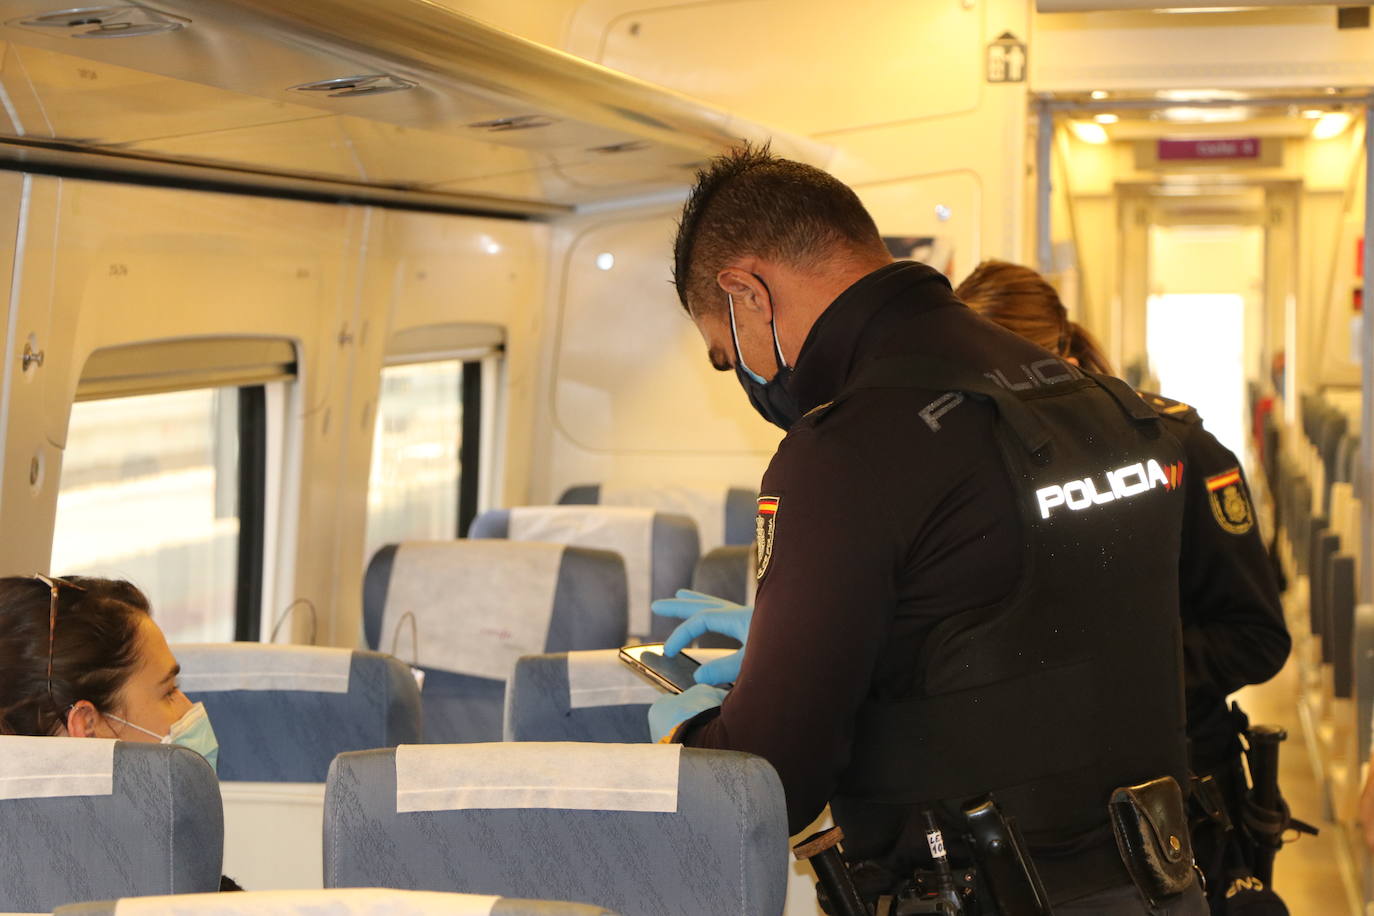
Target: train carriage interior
345,330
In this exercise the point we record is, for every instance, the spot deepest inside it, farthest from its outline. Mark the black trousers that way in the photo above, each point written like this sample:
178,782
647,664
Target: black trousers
1126,901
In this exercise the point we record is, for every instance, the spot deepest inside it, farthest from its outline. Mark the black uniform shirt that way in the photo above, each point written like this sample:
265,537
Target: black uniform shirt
1233,628
882,528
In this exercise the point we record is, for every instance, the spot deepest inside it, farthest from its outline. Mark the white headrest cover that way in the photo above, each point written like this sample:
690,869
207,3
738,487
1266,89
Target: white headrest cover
213,668
628,532
334,902
55,767
703,505
478,605
532,774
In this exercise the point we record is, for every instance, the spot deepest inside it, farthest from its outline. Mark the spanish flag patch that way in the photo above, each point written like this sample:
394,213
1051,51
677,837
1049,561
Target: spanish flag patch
1230,502
765,524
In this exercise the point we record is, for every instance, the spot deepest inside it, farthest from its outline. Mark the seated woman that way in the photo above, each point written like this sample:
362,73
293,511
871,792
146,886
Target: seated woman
83,658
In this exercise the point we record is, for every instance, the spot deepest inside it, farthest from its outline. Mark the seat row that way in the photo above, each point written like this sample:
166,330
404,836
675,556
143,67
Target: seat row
633,829
531,580
1311,472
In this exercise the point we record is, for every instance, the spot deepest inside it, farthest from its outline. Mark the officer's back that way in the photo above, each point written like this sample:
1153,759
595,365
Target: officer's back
967,555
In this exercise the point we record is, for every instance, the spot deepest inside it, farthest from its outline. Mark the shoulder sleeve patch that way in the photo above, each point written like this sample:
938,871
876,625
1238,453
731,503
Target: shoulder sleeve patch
1230,503
765,524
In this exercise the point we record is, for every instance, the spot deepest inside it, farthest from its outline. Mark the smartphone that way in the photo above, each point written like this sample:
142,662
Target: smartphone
673,674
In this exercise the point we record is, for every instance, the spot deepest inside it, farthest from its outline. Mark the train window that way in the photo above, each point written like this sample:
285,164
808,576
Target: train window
166,490
423,482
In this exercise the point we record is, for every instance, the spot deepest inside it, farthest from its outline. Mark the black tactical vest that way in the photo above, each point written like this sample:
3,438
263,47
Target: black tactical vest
1073,685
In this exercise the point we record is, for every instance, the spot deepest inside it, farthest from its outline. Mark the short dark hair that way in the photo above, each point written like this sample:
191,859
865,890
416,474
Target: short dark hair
750,202
95,649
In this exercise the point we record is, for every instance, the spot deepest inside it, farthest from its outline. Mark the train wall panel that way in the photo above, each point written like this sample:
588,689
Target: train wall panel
101,265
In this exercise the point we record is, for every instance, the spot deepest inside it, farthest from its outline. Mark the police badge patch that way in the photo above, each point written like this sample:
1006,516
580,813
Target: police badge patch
1230,504
765,523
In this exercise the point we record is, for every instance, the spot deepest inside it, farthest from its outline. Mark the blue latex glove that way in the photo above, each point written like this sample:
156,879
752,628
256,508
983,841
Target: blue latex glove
671,710
707,614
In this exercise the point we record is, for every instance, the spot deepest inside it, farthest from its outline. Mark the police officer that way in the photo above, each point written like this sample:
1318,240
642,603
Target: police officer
1233,628
967,550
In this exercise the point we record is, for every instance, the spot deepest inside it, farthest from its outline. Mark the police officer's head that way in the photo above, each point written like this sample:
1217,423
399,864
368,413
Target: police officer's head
773,242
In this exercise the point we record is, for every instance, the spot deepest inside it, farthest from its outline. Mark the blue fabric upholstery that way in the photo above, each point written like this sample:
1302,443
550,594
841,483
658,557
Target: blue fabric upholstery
293,735
538,708
588,494
675,550
312,903
741,508
589,612
724,851
724,572
160,832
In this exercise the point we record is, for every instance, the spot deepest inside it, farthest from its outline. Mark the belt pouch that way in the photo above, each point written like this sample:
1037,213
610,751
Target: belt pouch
1151,828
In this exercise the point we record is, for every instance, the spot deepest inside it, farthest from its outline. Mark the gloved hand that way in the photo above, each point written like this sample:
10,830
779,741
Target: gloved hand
670,711
706,614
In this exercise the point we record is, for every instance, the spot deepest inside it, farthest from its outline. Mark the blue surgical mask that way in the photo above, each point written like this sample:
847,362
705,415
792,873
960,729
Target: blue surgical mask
192,730
770,398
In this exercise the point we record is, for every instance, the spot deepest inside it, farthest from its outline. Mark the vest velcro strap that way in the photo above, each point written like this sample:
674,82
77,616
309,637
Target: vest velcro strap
919,372
958,745
1126,396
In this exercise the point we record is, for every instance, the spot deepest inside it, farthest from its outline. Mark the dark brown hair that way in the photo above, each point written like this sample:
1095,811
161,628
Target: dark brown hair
94,649
750,202
1024,302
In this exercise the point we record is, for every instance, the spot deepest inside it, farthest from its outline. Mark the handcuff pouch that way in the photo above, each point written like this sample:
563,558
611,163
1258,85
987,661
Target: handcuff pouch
1151,828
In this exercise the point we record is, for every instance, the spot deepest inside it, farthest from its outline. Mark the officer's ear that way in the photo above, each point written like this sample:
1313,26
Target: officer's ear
746,289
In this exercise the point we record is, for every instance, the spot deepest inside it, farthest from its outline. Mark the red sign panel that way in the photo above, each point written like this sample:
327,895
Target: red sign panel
1184,150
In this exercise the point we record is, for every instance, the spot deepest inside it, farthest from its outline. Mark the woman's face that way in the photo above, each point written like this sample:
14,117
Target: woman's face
151,697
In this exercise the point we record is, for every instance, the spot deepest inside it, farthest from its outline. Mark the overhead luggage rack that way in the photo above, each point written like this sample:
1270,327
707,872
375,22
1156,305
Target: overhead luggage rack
406,97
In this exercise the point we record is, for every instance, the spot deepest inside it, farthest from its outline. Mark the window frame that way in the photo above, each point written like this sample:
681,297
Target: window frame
252,365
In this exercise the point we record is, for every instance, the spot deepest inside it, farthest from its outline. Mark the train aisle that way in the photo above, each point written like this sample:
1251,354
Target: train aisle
1313,874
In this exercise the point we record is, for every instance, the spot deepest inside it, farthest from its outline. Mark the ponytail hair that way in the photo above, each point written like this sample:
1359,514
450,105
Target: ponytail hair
1084,347
1024,302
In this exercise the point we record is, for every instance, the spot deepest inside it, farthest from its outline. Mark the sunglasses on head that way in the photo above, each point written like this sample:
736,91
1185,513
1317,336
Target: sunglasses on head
54,584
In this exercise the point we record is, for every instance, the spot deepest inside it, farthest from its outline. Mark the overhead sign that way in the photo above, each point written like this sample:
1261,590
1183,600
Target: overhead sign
1007,60
1186,150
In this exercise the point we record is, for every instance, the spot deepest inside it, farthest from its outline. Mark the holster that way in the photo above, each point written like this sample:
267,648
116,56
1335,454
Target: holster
1151,828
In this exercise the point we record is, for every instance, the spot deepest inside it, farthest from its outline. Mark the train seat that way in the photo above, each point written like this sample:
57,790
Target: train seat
660,549
581,696
1340,603
478,606
335,901
638,828
724,572
89,819
281,714
724,515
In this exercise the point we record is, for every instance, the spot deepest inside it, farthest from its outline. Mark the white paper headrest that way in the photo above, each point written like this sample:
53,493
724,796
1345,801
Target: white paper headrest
478,605
626,531
213,668
531,774
335,902
704,505
55,767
